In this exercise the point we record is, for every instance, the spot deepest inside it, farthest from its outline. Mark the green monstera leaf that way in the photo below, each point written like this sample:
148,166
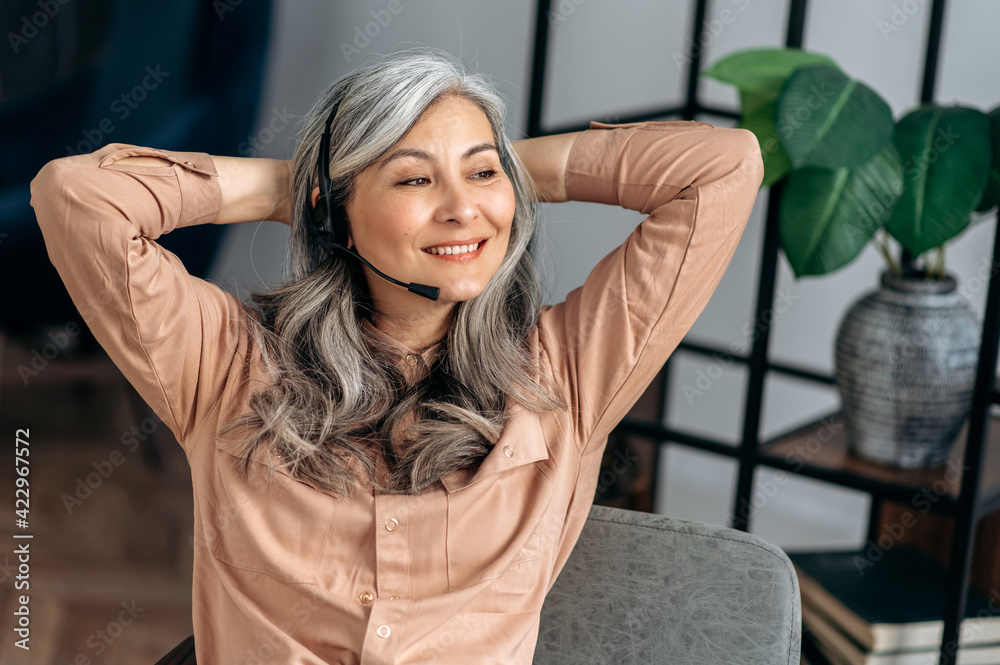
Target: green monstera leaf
763,70
946,155
828,215
758,74
991,196
828,120
761,123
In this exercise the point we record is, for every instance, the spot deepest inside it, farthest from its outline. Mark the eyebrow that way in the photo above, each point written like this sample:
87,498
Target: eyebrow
421,154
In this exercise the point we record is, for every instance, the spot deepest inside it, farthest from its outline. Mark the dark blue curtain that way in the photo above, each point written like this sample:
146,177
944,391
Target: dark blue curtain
74,76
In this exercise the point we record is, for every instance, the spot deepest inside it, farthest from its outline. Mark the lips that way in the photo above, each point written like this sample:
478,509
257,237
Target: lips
453,249
458,252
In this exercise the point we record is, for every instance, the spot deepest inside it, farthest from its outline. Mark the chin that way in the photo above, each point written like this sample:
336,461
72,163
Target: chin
462,293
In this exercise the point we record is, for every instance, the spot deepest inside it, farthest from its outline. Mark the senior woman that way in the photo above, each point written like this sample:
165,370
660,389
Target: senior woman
380,476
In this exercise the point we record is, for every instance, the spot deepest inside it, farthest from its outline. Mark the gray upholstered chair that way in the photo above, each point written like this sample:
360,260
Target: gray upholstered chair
647,589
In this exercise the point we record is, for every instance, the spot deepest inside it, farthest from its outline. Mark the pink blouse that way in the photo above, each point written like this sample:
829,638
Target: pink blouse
457,574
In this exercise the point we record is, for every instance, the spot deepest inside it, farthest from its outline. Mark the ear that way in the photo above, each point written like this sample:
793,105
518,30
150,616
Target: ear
315,196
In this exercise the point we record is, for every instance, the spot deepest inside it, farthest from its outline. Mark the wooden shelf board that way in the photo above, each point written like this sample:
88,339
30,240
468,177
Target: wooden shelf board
834,456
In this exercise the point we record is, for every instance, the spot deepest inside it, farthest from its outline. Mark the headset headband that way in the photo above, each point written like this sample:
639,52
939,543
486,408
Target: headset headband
331,222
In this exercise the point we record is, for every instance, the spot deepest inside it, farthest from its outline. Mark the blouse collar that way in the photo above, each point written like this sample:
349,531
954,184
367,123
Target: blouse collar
412,361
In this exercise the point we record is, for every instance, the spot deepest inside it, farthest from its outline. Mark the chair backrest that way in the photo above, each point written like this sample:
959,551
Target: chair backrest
643,588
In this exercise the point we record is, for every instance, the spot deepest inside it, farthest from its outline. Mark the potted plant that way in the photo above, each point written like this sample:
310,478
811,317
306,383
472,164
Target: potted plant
849,174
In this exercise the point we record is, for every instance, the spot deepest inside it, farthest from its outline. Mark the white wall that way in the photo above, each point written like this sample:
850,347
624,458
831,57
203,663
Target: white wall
612,57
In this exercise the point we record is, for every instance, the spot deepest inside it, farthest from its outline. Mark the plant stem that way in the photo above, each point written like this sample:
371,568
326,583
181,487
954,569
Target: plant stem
881,243
940,262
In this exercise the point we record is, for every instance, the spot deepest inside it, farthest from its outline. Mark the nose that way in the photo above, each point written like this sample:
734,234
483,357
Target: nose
457,203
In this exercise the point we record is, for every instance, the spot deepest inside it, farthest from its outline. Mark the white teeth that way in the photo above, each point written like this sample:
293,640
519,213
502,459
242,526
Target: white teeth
457,249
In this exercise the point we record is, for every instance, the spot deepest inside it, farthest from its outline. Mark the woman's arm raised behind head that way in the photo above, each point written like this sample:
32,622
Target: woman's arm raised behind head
545,158
253,189
174,336
697,184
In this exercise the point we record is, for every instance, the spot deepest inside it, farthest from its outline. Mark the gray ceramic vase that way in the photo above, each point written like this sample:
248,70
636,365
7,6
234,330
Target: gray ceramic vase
905,367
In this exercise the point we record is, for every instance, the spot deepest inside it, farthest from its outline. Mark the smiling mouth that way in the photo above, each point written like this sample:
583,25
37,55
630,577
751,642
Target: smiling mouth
454,249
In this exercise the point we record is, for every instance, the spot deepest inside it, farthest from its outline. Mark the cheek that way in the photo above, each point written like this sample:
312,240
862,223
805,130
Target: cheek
401,221
503,211
387,221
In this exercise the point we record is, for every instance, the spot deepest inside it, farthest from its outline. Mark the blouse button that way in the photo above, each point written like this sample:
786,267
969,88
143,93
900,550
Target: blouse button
383,631
411,359
191,164
366,597
508,451
391,524
275,452
386,477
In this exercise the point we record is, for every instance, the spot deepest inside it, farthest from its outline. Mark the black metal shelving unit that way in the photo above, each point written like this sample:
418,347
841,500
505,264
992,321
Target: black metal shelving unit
966,499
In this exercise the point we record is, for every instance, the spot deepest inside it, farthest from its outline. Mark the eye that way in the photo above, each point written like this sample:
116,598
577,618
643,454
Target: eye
485,174
416,181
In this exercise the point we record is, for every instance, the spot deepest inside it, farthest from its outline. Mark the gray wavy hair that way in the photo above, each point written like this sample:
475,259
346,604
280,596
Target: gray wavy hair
337,395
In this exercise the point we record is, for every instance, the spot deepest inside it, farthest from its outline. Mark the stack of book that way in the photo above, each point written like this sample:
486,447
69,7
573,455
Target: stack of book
860,611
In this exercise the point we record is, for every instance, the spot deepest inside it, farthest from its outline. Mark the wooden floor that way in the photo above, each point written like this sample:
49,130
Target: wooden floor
110,557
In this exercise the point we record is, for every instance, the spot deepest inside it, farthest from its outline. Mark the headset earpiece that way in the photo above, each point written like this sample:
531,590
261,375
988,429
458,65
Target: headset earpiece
339,225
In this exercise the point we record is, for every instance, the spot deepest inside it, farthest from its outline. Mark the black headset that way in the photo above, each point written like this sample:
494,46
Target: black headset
330,220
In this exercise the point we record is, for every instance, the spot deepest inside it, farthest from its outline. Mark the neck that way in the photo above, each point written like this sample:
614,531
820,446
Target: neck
418,326
410,319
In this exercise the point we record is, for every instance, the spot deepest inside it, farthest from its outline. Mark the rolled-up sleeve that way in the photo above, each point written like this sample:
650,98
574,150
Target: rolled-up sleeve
171,334
697,184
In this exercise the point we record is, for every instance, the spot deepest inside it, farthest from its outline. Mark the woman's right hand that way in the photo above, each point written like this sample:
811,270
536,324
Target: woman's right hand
254,189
